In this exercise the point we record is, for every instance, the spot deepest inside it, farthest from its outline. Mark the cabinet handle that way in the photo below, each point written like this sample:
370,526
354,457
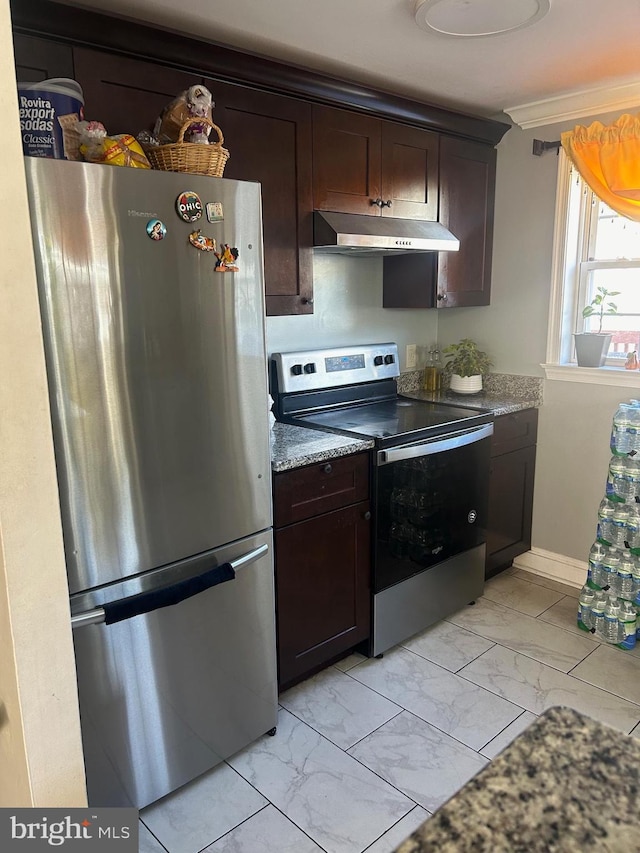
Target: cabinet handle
328,468
307,300
376,201
366,515
386,203
442,297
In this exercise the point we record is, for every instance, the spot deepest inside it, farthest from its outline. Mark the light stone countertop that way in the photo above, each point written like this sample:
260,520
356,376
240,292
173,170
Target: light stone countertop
502,394
294,446
499,404
566,784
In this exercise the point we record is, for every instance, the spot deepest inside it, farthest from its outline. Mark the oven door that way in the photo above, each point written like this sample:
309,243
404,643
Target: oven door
430,502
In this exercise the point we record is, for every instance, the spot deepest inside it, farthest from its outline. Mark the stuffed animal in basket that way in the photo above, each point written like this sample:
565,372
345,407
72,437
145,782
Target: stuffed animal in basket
194,102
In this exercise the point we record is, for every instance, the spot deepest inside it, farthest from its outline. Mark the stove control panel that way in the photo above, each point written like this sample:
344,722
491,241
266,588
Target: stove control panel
312,370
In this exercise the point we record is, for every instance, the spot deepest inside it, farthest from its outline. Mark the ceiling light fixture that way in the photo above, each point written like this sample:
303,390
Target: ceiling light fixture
472,18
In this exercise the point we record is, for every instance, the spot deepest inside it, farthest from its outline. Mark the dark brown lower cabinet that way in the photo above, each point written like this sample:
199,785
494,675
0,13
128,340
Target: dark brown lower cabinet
323,601
513,458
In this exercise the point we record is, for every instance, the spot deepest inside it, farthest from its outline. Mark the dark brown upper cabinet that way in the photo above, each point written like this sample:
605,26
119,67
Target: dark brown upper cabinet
126,95
367,165
467,196
452,279
39,59
269,138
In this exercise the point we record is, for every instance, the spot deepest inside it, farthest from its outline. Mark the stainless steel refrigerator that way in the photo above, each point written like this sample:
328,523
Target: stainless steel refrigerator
151,293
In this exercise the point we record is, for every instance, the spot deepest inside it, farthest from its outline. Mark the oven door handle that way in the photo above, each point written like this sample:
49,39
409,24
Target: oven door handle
436,445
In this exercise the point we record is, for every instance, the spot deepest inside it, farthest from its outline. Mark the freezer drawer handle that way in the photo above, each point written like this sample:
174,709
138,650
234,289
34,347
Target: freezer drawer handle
145,602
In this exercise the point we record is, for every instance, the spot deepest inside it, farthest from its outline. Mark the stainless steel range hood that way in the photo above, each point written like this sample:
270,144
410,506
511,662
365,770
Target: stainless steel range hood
352,233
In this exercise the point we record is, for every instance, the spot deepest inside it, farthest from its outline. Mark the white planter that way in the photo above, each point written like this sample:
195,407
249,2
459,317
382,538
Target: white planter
465,384
592,348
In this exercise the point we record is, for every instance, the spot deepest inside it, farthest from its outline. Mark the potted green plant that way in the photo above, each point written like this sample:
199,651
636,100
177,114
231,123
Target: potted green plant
466,366
592,347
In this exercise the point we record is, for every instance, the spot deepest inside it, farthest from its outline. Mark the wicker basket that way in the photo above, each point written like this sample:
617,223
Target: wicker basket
194,157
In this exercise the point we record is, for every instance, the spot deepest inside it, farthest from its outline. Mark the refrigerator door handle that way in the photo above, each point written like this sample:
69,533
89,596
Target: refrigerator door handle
145,602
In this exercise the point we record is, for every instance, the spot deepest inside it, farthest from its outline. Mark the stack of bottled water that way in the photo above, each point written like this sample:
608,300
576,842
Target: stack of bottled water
609,603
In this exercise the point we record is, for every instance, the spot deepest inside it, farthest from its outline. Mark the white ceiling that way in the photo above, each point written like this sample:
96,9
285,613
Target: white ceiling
580,44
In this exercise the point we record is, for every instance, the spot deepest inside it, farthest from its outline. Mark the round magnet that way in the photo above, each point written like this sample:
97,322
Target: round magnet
188,206
156,229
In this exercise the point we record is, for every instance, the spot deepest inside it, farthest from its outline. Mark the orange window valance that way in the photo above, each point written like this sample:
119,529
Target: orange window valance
608,160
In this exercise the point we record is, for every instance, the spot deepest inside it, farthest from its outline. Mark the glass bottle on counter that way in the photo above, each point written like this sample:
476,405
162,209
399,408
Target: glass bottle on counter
433,371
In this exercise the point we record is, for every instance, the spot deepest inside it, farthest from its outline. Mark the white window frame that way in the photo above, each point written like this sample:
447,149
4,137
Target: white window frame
565,288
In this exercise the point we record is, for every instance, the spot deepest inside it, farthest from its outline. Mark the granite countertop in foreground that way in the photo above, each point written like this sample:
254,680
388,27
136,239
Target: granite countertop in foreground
294,446
566,784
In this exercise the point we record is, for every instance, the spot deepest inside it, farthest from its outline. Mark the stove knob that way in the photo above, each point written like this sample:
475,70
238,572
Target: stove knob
378,360
389,359
310,368
296,369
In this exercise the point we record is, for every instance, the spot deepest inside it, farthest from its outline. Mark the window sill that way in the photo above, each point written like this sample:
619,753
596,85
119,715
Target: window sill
593,375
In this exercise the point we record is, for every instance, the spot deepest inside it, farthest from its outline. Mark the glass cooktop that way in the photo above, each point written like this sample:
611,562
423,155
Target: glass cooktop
397,418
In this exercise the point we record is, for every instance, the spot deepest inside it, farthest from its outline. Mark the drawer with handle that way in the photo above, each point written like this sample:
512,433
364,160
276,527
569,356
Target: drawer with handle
321,487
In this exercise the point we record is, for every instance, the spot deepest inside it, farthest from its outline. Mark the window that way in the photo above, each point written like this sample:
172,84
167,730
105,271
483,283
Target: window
594,247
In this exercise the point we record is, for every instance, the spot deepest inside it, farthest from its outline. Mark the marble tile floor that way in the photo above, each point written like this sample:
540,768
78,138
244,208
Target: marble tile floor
367,749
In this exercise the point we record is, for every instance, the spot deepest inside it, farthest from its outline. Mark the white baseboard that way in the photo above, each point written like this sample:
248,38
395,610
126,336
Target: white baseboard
556,567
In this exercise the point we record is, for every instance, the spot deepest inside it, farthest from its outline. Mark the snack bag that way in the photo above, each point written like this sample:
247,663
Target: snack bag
119,150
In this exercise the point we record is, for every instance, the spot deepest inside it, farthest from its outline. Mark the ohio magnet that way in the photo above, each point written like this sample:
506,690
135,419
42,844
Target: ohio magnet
156,229
188,206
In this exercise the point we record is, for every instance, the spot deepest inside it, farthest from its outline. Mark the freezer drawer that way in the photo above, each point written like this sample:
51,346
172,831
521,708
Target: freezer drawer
166,695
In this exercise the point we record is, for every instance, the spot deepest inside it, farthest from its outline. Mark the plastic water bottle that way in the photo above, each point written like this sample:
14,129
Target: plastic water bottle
597,613
585,601
611,613
633,429
620,436
616,488
632,479
594,574
633,527
619,525
635,576
610,564
605,521
625,576
627,626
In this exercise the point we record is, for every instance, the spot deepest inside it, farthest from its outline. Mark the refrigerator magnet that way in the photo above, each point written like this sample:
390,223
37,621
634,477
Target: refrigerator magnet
214,211
200,241
156,229
227,258
188,206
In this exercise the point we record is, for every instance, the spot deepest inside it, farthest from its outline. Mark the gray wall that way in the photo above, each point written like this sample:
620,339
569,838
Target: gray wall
348,310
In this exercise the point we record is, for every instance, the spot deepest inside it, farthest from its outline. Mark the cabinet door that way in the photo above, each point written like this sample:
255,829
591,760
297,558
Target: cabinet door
322,589
126,95
39,59
510,507
346,161
409,172
467,193
269,139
